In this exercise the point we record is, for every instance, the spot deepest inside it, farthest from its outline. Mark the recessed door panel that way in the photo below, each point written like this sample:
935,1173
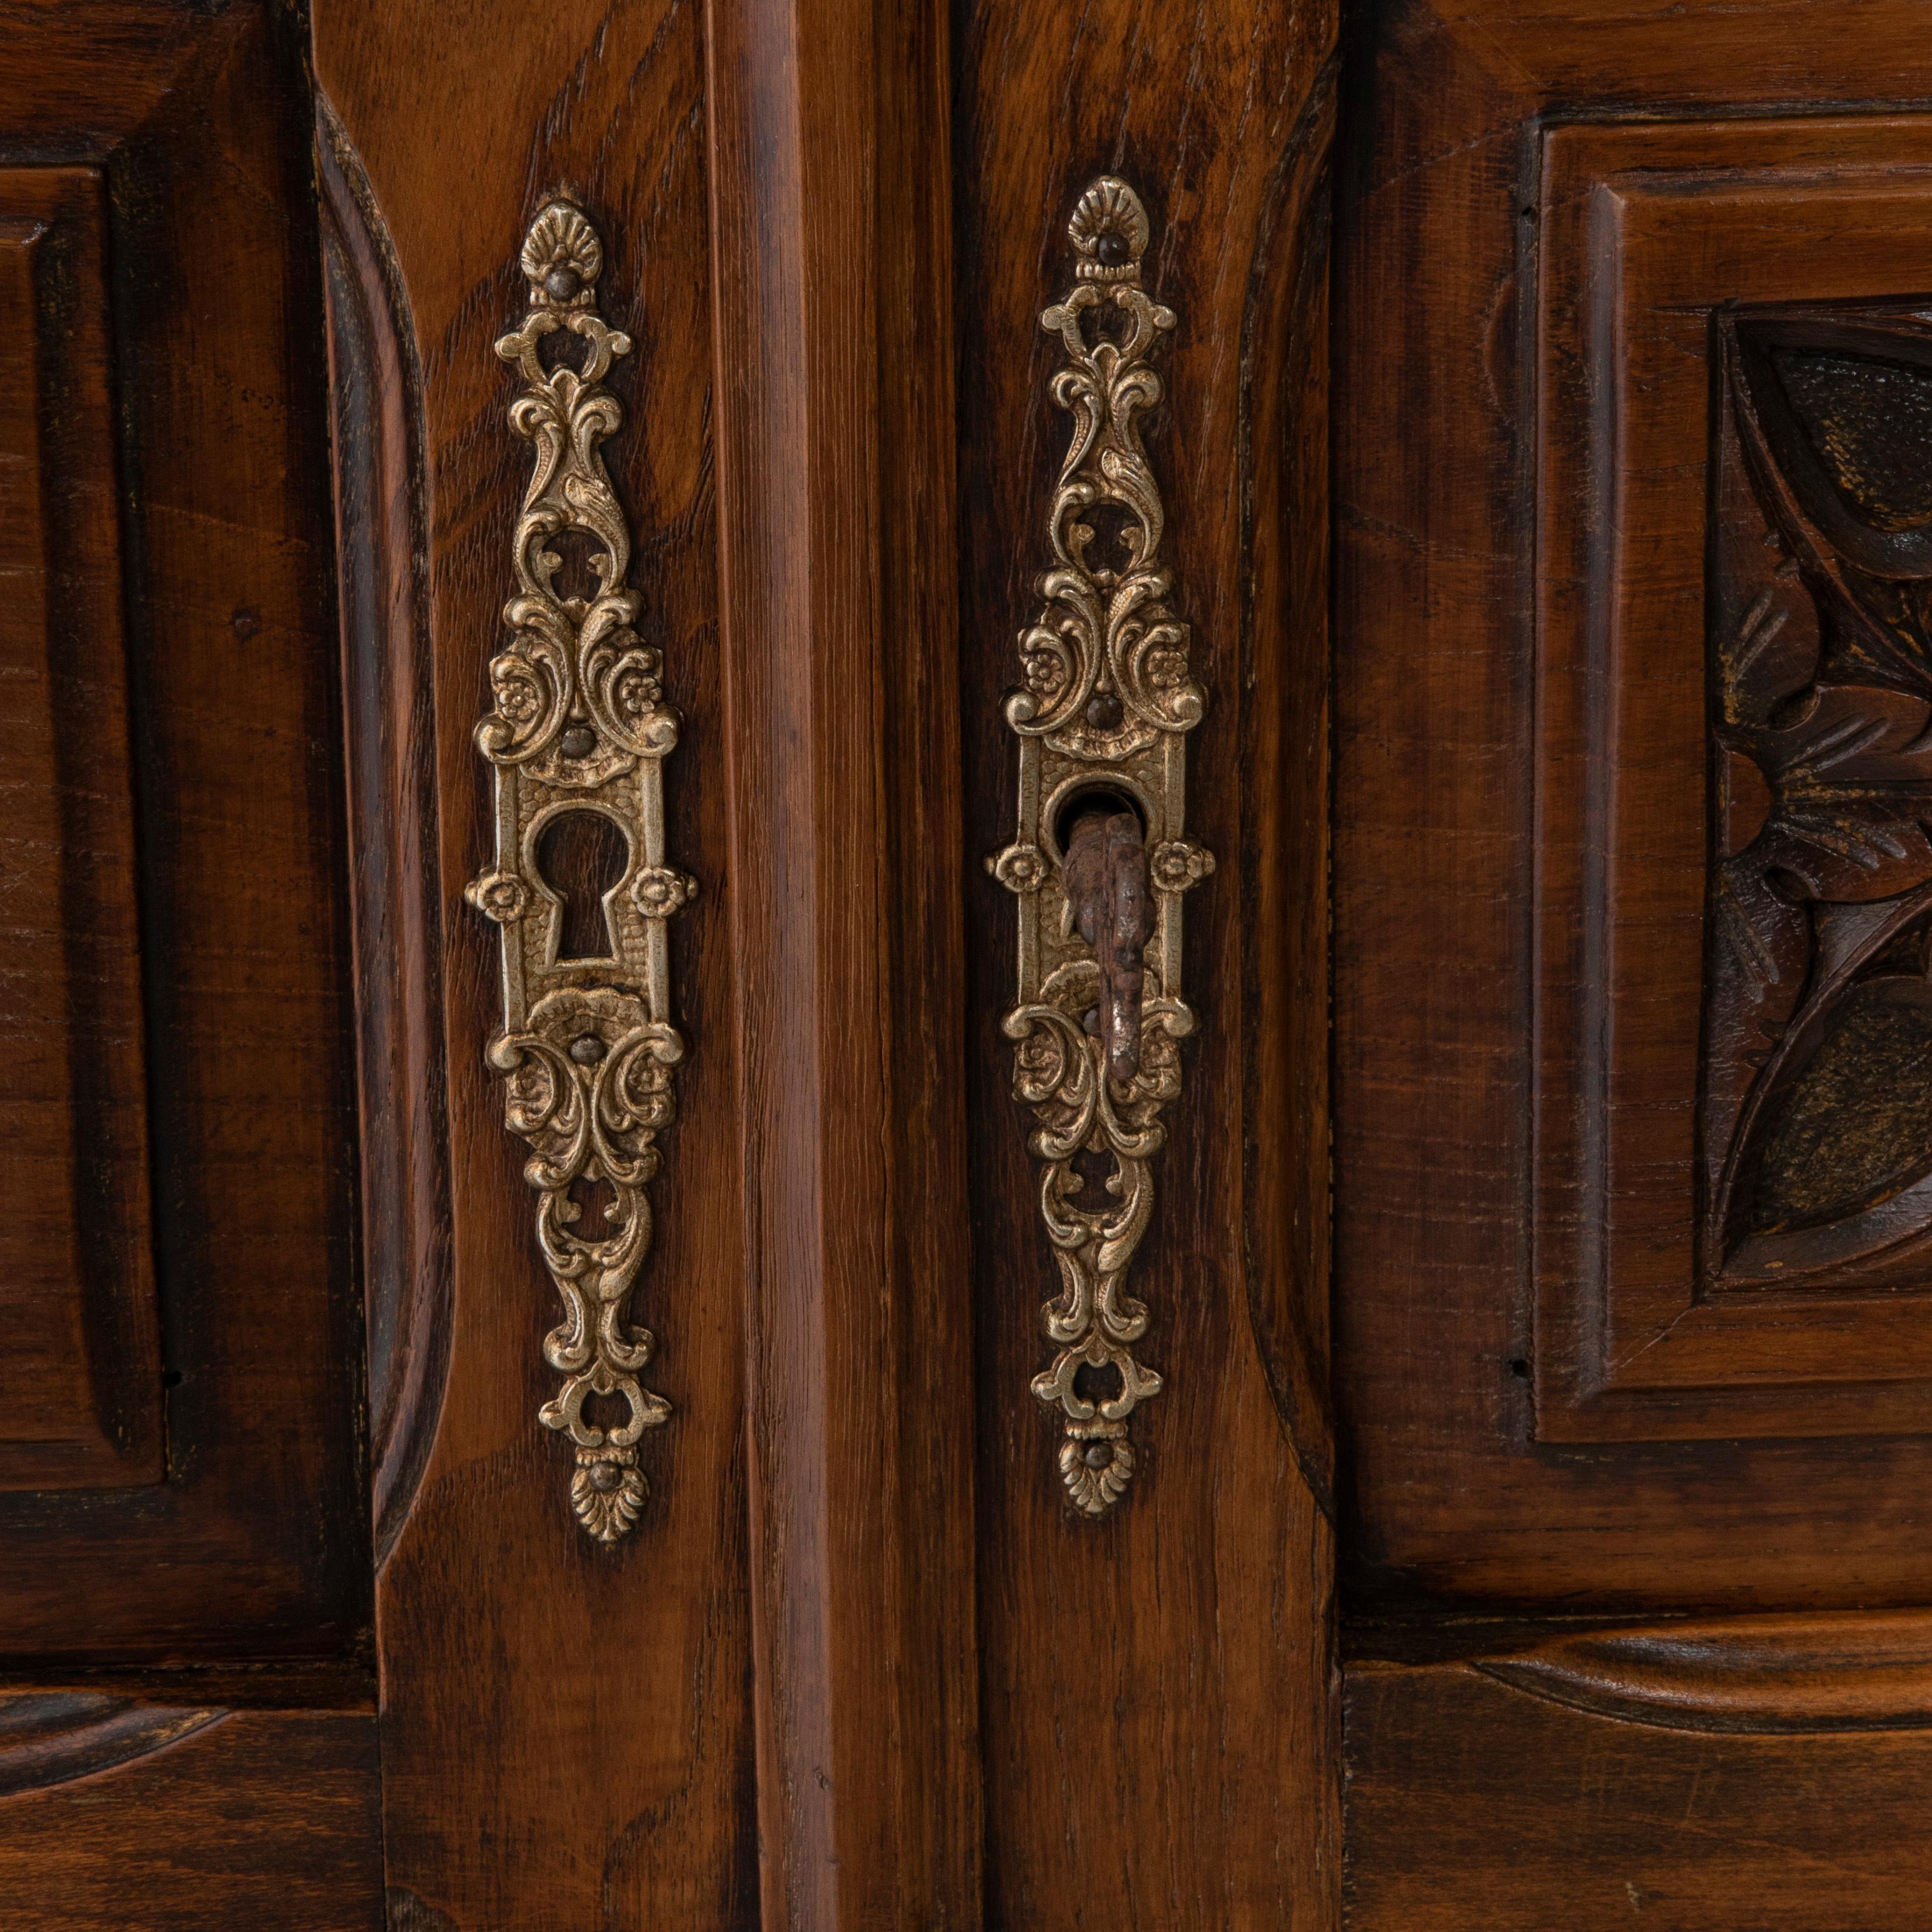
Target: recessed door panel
80,1373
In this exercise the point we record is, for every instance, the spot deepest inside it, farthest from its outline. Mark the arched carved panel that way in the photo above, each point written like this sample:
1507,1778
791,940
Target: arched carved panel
381,509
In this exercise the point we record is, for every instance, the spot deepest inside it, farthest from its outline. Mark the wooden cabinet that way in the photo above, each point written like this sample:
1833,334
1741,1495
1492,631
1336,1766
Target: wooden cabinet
967,966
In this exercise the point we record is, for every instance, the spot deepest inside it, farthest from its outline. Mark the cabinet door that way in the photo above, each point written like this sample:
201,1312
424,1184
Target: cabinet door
187,1732
1631,889
702,469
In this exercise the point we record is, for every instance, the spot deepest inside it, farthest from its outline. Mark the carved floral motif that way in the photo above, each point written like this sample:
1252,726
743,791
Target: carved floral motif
1822,727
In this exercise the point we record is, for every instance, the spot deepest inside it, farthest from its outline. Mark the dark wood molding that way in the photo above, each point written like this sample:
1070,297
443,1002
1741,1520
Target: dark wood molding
190,540
1688,680
382,511
834,353
81,1394
1475,1807
1285,784
1769,1674
47,1737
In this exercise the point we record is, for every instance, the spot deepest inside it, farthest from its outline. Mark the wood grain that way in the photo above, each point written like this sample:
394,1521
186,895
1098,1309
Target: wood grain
80,1380
1473,1805
1652,1024
381,508
255,1544
1444,1377
856,1666
47,1737
1155,1696
1872,1672
263,1819
847,915
835,360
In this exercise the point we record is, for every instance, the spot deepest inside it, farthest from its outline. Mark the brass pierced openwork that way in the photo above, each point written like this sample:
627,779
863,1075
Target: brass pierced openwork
579,730
1099,860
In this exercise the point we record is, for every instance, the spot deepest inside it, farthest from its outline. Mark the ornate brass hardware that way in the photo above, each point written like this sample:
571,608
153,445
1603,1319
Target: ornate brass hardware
1102,714
578,733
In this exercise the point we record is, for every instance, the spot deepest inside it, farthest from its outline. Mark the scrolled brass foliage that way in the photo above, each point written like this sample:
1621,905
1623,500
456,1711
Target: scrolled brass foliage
1106,699
579,724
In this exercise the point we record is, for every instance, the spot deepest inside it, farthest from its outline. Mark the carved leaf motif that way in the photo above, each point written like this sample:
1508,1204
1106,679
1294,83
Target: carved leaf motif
1822,726
1852,1129
1850,778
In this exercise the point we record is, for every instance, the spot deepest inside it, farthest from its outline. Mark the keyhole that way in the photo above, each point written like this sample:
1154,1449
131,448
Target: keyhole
578,554
1094,801
581,855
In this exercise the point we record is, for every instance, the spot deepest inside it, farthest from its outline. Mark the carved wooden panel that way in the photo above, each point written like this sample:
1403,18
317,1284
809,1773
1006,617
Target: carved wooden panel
80,1375
1735,1111
1815,1127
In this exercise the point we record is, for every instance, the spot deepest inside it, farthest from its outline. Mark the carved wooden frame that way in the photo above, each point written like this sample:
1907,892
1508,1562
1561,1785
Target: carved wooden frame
1637,1334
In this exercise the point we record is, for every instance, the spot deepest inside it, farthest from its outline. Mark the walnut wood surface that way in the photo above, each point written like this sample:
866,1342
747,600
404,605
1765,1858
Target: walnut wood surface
879,1621
173,837
1870,1672
583,1712
48,1737
80,1376
1155,1706
396,898
1647,237
1558,1394
834,358
859,1663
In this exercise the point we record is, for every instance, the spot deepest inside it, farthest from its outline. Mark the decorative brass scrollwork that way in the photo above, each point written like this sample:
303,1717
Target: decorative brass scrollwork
580,726
1103,714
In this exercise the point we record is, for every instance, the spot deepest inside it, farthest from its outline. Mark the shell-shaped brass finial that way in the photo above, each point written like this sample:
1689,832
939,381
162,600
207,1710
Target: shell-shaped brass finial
1109,229
562,258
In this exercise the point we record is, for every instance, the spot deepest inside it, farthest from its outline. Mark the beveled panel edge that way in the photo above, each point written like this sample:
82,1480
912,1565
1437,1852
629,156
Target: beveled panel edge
51,1737
1775,1673
63,380
383,508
